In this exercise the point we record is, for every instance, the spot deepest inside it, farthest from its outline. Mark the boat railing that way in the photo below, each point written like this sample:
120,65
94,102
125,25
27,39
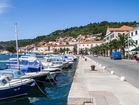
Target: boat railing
15,82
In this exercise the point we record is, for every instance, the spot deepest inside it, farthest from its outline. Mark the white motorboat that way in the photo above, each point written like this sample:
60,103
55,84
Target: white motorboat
10,87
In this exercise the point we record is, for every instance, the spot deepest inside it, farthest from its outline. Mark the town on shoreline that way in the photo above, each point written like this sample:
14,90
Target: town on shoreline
84,44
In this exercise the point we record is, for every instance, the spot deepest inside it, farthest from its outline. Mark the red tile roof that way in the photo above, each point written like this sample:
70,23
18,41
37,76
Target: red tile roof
65,45
123,28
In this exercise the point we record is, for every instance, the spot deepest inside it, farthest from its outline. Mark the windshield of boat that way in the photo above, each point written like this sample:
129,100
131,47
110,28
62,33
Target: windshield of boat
4,81
49,60
20,73
8,79
10,75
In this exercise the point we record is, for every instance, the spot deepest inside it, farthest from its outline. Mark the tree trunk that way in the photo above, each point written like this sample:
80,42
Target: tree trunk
123,53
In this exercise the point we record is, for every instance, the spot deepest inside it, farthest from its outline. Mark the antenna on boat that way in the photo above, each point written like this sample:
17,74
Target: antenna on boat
16,35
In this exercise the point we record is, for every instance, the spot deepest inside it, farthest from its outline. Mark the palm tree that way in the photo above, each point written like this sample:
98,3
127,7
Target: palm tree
107,48
67,50
95,49
102,48
61,50
75,50
110,46
115,44
123,42
81,51
86,50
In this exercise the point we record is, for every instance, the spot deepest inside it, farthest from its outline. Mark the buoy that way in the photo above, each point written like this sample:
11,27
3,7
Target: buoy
112,72
104,67
122,78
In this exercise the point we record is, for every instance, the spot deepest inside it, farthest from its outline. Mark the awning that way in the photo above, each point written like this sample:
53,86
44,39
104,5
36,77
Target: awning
135,49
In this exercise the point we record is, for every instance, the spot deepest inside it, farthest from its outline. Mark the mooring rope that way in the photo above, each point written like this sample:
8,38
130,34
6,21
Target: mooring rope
51,82
67,79
52,78
42,90
65,84
63,73
68,71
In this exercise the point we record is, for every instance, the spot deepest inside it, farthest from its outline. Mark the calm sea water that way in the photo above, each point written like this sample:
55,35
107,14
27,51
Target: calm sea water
50,93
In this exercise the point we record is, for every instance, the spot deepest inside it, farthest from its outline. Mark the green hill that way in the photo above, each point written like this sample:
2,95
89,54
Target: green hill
90,29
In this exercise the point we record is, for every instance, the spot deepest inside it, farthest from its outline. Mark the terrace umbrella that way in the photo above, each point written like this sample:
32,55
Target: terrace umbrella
135,49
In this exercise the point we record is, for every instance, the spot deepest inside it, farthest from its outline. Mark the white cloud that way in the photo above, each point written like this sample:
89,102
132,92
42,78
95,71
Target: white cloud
4,4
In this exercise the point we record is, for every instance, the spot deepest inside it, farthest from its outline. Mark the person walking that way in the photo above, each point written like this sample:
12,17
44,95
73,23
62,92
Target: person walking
137,57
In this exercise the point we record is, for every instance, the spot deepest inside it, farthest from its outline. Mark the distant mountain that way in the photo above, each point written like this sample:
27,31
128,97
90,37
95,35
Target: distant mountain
24,42
90,29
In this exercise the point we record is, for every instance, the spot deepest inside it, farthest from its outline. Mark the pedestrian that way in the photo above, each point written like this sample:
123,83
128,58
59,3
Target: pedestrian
137,57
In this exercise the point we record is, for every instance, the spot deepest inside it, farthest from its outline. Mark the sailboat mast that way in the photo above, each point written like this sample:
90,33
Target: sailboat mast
16,35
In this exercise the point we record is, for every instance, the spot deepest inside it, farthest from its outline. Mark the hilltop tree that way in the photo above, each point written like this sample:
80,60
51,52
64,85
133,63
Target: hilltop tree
11,49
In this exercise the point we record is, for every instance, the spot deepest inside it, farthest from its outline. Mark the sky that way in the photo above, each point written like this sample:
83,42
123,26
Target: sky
42,17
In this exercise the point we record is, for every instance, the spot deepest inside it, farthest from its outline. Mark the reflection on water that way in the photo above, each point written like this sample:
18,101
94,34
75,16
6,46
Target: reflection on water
50,93
16,101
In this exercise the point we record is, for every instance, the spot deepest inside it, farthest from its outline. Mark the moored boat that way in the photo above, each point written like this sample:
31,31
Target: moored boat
10,87
15,73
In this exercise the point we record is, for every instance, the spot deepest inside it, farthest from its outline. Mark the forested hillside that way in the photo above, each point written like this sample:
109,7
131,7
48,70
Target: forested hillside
90,29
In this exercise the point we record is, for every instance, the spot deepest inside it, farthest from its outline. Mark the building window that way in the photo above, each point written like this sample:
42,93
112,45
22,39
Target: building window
136,32
131,33
136,42
104,40
112,36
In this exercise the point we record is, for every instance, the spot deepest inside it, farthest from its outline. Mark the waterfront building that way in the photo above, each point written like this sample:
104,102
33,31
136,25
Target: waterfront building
112,33
134,35
67,48
84,46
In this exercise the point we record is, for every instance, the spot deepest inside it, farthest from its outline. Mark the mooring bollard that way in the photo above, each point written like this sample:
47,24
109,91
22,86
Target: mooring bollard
92,67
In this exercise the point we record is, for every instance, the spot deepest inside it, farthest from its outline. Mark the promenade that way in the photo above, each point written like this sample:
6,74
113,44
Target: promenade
100,87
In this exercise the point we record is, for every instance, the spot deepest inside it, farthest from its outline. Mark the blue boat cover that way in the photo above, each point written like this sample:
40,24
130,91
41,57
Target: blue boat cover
25,66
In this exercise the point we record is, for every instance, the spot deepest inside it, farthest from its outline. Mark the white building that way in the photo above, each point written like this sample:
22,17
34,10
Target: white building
70,47
134,34
112,33
87,46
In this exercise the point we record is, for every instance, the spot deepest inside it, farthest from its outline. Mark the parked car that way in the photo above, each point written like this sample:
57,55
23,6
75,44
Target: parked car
116,55
95,55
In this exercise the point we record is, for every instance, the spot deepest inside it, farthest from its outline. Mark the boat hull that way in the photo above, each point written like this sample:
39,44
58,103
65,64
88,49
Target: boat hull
15,91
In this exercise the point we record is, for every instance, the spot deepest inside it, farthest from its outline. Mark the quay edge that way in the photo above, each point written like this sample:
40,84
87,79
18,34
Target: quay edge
99,87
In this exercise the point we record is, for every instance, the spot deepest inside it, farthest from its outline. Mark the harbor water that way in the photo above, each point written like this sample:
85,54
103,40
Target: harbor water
49,93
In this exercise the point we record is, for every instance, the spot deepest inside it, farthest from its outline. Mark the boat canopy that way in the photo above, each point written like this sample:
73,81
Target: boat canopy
26,66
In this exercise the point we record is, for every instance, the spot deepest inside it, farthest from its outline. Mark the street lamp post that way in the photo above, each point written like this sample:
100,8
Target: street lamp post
128,44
